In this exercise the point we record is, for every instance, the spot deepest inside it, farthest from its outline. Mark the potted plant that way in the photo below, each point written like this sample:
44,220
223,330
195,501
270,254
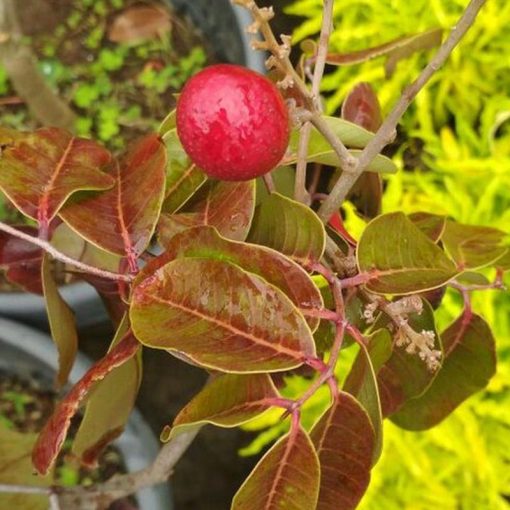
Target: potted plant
92,76
250,284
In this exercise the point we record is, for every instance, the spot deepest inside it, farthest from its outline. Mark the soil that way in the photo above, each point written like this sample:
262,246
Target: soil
25,406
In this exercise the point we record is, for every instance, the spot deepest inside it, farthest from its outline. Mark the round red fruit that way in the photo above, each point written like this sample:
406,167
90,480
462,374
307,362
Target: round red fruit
232,122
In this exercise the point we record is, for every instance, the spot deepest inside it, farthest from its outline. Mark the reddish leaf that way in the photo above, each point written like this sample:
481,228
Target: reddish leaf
205,242
122,220
469,363
221,317
139,23
109,405
62,323
21,260
405,376
405,259
287,477
227,206
40,170
432,225
344,440
228,401
362,107
52,436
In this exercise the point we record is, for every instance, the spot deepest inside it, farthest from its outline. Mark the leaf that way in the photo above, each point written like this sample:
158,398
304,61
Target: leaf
227,206
221,317
52,436
182,182
41,170
362,107
405,376
122,220
320,151
21,260
16,469
361,381
344,440
471,246
138,23
288,476
109,405
272,266
432,225
169,123
228,401
469,363
403,257
62,323
290,228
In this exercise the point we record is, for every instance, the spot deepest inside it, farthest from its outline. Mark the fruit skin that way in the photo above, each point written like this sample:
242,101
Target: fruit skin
232,122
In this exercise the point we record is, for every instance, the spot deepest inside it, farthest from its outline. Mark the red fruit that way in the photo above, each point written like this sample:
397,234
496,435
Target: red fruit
232,123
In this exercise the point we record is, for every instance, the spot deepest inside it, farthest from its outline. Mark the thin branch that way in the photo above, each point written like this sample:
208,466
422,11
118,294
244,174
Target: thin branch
386,132
47,247
24,489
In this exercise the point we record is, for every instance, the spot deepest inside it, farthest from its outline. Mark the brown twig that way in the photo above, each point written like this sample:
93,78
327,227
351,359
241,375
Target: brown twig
386,132
47,247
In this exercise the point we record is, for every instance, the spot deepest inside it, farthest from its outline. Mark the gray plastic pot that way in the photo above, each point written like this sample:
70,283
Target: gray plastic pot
31,354
223,26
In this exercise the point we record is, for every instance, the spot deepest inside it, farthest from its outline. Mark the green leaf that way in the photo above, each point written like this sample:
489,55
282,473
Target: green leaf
169,123
221,317
228,401
16,469
62,323
469,364
344,440
473,247
228,206
275,268
109,405
290,228
404,259
39,171
320,151
122,220
361,382
405,376
287,477
182,182
432,225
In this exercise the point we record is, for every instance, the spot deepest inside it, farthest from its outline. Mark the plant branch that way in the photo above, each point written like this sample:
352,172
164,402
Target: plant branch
386,132
47,247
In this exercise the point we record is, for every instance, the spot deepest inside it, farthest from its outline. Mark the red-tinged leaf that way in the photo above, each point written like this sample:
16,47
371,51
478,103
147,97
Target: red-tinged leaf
21,260
16,469
221,317
41,170
344,440
205,242
140,23
432,225
337,223
472,246
362,107
405,259
290,228
122,220
228,401
469,363
288,477
366,195
109,405
52,436
405,376
62,323
362,381
227,206
182,182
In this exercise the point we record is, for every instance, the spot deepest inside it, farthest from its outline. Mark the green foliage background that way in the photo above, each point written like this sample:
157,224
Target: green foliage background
455,160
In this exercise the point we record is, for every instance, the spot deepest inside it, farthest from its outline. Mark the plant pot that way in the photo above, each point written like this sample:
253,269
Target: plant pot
31,354
223,25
